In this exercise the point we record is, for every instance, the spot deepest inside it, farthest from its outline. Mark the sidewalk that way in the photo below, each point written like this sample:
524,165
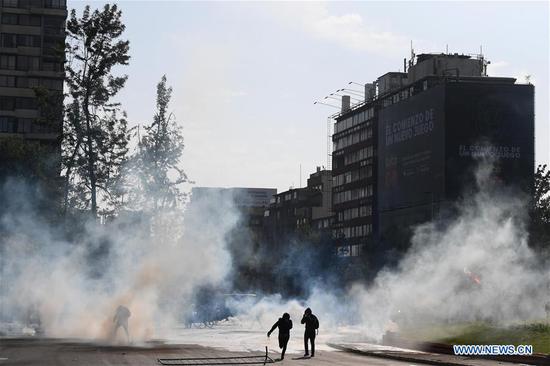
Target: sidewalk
436,358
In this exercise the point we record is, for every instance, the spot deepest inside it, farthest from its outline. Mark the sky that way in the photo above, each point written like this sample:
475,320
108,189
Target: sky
246,74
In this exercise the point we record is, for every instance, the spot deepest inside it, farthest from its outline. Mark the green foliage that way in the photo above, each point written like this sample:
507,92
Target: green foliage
536,334
156,166
96,135
33,162
541,208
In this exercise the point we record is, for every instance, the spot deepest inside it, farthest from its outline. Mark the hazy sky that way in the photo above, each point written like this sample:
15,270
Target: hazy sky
245,75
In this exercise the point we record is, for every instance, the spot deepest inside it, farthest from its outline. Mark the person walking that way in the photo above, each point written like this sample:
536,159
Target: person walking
285,325
312,324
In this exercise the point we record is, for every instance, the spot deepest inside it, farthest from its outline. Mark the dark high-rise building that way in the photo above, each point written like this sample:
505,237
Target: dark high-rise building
406,152
32,40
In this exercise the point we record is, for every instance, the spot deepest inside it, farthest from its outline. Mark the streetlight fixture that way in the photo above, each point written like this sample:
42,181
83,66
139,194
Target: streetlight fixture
330,105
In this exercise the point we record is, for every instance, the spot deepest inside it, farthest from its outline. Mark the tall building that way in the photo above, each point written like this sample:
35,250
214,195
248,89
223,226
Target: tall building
32,39
409,150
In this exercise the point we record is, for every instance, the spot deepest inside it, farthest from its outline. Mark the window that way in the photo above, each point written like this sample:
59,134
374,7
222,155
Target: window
7,62
58,4
8,124
26,63
30,3
54,22
7,103
25,103
24,125
10,3
9,40
31,20
8,18
24,40
33,82
52,66
356,250
7,81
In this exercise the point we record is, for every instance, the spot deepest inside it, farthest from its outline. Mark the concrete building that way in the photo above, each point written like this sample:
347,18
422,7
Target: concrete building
32,38
299,211
409,150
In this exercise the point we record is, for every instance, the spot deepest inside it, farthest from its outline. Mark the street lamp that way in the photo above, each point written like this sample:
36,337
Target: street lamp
330,105
334,95
352,91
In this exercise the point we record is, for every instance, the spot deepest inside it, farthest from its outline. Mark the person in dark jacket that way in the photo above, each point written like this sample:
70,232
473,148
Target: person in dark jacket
121,320
285,325
312,324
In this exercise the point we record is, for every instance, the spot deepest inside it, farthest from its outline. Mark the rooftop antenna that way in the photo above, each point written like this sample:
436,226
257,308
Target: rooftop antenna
447,49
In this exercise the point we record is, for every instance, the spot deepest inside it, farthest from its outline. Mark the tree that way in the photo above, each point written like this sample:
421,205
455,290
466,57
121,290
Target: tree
96,133
541,207
156,166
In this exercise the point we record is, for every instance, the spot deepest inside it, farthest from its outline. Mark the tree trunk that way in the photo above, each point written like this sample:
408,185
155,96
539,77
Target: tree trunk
91,161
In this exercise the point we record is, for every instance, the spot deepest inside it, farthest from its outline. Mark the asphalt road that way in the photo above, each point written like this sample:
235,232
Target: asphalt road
49,352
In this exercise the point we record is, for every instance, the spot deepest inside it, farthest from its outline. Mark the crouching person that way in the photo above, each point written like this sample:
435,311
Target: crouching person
285,325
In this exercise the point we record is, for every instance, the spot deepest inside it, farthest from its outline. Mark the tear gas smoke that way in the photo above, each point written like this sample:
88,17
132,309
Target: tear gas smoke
155,278
475,266
75,287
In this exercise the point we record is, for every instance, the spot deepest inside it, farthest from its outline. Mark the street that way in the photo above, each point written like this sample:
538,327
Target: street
62,352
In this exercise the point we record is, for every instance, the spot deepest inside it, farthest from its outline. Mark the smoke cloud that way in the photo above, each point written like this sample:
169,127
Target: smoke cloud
74,287
473,266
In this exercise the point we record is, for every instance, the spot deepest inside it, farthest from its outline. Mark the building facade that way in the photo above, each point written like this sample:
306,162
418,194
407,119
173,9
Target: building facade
32,41
410,149
299,212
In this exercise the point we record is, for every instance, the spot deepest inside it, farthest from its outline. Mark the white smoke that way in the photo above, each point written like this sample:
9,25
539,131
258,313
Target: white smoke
75,287
476,266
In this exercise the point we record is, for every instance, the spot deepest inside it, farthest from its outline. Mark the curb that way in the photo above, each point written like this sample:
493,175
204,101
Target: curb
539,359
395,357
530,360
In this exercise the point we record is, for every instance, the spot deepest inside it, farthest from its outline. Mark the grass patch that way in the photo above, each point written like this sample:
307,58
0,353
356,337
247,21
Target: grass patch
536,334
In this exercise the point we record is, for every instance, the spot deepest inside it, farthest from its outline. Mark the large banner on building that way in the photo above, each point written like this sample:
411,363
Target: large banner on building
411,151
489,123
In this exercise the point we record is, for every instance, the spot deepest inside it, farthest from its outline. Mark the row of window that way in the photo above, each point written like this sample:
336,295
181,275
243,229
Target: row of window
355,212
287,197
404,94
353,194
22,19
10,40
353,120
28,63
352,176
10,81
13,103
55,4
349,250
9,124
361,154
322,224
353,231
353,138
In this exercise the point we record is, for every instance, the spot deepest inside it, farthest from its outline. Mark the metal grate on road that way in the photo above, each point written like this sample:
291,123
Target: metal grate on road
238,360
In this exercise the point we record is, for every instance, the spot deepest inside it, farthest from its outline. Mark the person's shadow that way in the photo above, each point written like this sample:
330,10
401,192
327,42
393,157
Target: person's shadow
302,358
